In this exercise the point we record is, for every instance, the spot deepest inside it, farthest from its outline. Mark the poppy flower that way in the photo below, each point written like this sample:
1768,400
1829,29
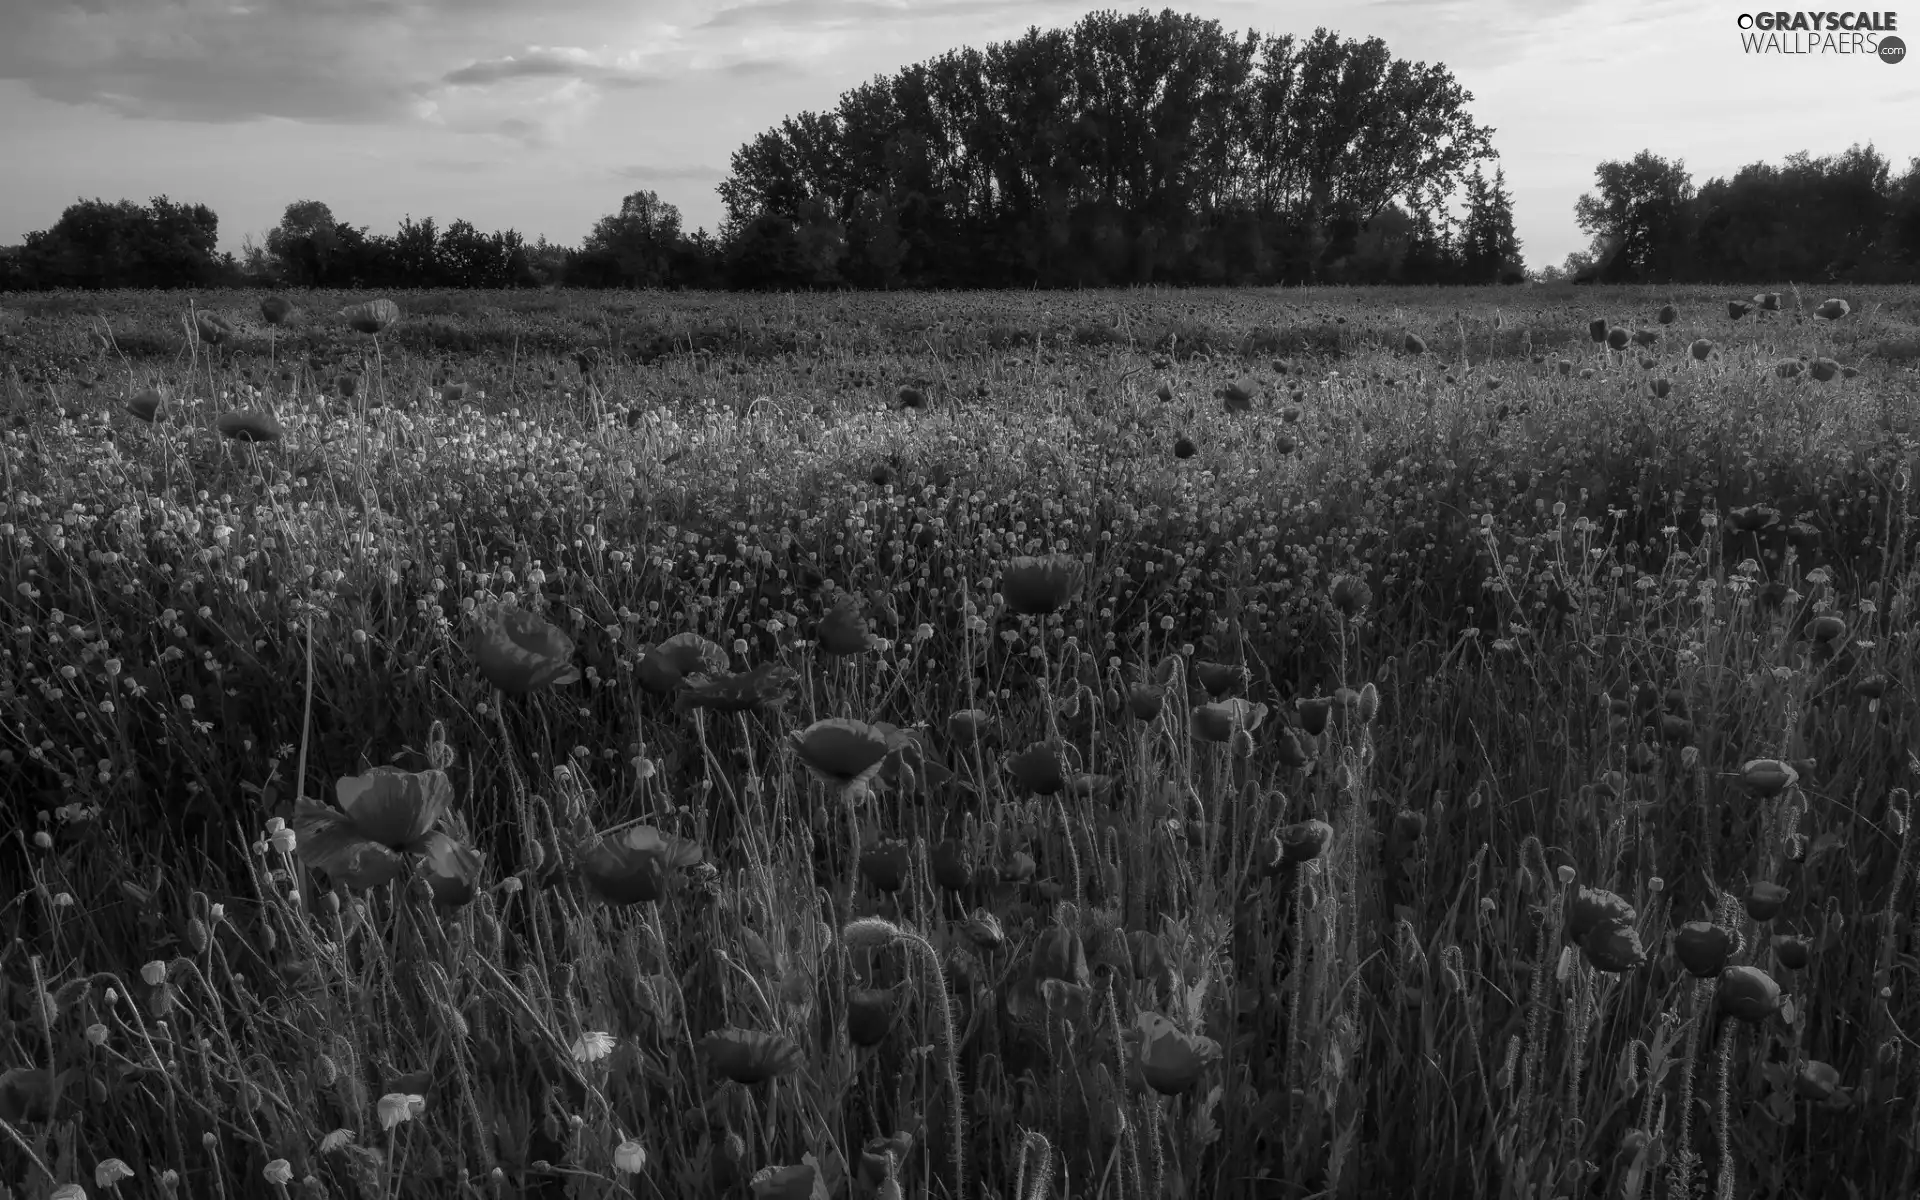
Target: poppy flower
631,867
882,1156
1747,993
841,752
750,1056
1817,1080
843,631
663,668
1824,628
1290,749
1789,368
783,1183
1617,339
762,690
211,328
520,652
1217,721
886,863
452,870
1668,314
1832,310
275,309
1823,369
1738,308
1792,951
950,865
1646,337
1236,396
146,405
374,317
1413,344
1593,908
382,815
1144,700
1314,712
1703,948
1220,679
1170,1059
1035,587
26,1094
1183,447
1613,948
1301,842
1350,594
249,427
871,1013
1768,301
1597,329
1038,769
968,726
1765,900
1058,953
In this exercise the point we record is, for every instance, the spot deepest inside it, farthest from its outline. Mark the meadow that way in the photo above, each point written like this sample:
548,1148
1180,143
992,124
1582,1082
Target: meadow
1197,744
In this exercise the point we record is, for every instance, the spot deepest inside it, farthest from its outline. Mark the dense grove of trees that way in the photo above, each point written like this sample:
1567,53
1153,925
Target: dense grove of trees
1125,149
1844,216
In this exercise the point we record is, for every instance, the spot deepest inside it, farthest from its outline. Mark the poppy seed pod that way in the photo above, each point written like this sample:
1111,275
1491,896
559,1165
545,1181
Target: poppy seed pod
1747,993
1597,329
1766,777
1703,948
1590,908
1765,900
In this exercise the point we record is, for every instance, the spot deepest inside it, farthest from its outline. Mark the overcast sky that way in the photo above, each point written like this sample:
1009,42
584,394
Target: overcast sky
541,115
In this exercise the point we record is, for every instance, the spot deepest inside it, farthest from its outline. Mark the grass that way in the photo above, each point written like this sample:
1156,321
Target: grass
1539,648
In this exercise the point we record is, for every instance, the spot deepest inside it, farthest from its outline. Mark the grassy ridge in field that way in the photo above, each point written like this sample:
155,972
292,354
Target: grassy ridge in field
1567,647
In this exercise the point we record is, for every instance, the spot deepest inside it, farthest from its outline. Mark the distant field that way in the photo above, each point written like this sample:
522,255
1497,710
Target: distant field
1200,744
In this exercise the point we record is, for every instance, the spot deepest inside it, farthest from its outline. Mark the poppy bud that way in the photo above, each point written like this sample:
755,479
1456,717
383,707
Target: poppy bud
1369,705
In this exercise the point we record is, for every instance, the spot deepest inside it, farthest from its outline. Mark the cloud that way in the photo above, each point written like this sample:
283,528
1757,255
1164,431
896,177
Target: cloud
561,63
647,172
790,14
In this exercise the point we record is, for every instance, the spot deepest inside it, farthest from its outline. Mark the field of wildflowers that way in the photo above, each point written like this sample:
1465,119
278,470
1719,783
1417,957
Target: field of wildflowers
1211,744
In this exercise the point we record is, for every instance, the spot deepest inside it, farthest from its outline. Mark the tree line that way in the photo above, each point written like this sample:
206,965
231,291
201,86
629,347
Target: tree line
1142,148
1844,216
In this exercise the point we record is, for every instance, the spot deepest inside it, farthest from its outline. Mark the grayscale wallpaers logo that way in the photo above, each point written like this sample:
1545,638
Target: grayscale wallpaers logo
1861,33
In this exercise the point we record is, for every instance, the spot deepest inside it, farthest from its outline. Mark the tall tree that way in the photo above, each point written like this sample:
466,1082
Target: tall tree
1489,247
635,246
1643,203
302,245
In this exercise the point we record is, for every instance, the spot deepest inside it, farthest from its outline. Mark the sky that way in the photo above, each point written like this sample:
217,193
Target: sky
541,116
